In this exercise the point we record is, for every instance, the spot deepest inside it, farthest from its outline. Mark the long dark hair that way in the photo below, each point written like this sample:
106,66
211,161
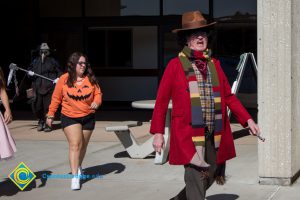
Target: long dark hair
2,80
71,69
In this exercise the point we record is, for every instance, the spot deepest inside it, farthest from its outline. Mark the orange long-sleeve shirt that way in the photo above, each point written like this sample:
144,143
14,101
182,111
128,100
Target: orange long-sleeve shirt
75,101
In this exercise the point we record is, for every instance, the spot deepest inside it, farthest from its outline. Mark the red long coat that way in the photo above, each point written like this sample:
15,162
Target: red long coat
174,86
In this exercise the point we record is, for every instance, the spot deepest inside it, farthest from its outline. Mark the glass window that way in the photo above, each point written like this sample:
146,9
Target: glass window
177,7
237,27
119,45
110,47
144,47
121,7
62,40
138,7
235,39
224,8
58,8
96,48
171,48
126,47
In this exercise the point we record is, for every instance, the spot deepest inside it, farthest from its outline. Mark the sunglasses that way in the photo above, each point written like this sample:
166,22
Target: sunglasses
83,63
200,33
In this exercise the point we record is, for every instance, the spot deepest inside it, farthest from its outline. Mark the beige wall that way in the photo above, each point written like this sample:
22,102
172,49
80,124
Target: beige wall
278,90
295,86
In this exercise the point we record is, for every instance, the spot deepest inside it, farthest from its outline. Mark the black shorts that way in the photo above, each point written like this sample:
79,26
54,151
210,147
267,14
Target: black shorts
87,122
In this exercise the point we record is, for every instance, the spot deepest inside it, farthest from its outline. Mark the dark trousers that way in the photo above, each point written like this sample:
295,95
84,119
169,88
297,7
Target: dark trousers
41,105
196,183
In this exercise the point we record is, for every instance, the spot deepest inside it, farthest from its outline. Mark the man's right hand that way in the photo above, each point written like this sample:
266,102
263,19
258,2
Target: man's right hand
158,142
30,73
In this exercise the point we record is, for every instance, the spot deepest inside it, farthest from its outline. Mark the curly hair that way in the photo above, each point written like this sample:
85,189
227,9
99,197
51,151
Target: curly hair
71,69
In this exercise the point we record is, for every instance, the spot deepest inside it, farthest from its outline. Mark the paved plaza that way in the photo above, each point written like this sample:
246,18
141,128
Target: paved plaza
119,176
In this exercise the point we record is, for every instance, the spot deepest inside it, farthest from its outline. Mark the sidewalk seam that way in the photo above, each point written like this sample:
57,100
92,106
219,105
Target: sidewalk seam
274,193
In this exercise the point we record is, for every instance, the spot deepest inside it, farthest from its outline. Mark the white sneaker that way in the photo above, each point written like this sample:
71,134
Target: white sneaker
75,183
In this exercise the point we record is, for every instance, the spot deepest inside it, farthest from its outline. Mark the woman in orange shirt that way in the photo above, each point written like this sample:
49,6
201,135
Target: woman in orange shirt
80,95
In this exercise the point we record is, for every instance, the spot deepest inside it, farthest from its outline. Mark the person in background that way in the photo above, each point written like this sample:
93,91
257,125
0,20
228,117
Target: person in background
7,143
47,66
201,138
79,94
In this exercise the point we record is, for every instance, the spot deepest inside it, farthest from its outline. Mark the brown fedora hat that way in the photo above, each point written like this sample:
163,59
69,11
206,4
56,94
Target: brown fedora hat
193,20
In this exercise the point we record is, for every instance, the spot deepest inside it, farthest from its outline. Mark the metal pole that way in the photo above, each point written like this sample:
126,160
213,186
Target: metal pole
44,77
13,66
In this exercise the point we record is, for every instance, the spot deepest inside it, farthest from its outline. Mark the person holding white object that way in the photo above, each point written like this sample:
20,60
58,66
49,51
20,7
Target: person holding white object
46,66
201,138
30,73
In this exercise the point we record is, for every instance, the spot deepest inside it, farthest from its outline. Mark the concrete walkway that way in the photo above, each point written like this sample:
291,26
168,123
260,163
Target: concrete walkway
122,177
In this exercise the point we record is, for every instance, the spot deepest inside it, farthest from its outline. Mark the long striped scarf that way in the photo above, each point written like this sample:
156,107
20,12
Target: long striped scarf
186,57
206,97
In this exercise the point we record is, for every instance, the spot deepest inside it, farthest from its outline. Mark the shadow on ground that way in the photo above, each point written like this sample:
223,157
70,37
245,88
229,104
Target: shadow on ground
100,171
124,154
8,188
240,133
222,197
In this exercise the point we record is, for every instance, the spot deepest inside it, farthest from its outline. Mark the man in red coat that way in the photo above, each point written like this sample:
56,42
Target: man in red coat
201,137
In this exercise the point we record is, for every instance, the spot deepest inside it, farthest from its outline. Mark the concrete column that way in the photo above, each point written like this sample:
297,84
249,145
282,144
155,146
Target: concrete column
278,24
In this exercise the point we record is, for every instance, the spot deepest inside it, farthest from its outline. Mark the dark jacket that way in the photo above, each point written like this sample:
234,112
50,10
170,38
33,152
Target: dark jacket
50,69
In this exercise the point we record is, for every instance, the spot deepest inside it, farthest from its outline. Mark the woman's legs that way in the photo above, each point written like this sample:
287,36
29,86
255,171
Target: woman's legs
75,139
86,138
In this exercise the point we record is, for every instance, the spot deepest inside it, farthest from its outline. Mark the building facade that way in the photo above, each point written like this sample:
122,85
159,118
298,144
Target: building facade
129,42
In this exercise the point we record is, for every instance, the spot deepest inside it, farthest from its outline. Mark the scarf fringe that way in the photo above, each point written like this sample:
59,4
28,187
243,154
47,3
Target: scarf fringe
220,174
220,180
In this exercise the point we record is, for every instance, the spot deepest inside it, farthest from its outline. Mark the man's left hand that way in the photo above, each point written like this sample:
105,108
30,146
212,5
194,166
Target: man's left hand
254,129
